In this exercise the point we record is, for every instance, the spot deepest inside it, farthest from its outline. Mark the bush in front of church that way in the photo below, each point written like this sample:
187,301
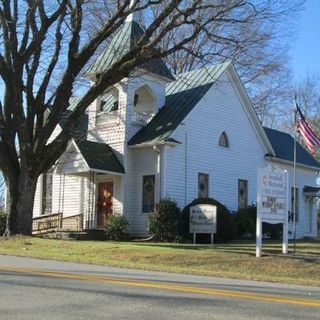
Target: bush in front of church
164,222
3,221
246,220
226,227
116,228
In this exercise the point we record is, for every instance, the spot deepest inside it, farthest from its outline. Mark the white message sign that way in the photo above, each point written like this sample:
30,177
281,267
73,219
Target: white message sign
203,219
272,197
272,202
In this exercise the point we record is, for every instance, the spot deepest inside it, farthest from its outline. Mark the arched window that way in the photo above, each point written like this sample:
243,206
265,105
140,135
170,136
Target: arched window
110,100
224,140
144,100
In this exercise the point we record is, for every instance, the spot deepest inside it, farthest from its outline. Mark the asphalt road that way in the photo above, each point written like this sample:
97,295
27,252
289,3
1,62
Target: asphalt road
42,289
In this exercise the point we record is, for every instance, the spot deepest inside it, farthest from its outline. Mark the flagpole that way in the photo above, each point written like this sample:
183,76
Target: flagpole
311,140
295,177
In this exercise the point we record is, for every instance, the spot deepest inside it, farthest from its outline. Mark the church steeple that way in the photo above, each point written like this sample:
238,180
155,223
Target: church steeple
124,41
132,16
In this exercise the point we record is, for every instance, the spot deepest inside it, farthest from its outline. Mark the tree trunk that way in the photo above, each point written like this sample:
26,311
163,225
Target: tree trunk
20,205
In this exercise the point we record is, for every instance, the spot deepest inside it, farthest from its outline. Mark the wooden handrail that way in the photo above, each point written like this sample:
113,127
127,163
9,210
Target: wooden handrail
73,223
47,223
56,221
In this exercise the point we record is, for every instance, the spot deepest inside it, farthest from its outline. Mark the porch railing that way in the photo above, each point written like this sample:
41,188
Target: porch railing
47,223
103,117
56,222
73,223
142,118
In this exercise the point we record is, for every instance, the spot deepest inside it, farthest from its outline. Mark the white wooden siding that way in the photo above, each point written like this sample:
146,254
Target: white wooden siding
219,110
69,195
71,162
139,162
38,198
110,132
144,162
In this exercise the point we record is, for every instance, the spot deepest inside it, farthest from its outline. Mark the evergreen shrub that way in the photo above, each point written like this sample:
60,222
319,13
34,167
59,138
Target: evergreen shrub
116,228
164,222
3,220
246,220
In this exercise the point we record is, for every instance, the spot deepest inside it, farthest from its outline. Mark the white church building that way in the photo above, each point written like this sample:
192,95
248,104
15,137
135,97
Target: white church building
154,135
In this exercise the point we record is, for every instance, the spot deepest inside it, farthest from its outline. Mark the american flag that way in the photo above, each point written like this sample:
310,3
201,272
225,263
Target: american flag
308,135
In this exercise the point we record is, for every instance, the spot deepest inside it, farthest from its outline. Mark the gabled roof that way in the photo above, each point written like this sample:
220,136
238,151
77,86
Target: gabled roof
100,157
182,96
81,130
283,145
124,40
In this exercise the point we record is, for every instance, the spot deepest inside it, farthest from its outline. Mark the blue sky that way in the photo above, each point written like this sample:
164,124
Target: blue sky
305,51
305,48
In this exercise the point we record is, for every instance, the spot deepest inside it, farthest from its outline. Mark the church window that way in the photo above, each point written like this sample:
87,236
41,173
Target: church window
224,140
148,193
47,192
136,99
203,185
242,194
144,100
109,101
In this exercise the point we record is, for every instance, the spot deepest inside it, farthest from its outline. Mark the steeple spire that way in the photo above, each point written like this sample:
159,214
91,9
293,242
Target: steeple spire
123,41
132,16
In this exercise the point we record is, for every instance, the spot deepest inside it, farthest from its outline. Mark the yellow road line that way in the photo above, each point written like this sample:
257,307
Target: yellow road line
171,287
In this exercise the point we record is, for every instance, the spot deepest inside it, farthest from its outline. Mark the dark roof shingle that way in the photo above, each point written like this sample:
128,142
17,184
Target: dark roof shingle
283,145
311,190
99,156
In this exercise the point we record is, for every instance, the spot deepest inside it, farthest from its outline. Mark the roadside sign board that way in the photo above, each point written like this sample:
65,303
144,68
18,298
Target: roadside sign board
272,202
203,219
272,198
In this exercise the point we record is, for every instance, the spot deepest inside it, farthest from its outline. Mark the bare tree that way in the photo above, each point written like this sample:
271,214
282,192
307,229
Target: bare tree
306,93
44,49
262,55
308,97
261,59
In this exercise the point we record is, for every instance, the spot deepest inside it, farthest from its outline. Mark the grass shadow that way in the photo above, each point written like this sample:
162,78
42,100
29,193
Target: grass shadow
177,246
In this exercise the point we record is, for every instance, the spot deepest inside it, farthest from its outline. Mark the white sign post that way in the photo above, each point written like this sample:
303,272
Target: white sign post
203,219
272,203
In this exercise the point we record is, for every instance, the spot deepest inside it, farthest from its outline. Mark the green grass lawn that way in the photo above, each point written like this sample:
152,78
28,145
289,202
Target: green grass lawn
235,260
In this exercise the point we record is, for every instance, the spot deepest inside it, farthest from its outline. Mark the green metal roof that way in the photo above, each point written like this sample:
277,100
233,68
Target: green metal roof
124,40
182,96
283,145
81,130
73,101
99,156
